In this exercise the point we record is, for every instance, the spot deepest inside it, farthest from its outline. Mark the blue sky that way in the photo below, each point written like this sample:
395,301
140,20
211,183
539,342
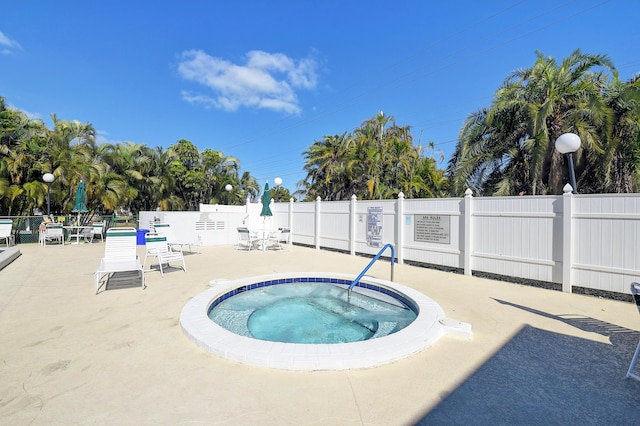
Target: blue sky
263,80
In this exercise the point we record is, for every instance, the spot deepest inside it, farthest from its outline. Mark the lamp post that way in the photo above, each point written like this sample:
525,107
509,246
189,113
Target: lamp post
228,187
278,182
569,143
48,178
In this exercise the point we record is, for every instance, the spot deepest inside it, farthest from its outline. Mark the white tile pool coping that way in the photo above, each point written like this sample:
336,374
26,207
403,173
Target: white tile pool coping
423,332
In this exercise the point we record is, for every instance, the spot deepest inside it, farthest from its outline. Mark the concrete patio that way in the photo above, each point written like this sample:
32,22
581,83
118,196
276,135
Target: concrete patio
71,357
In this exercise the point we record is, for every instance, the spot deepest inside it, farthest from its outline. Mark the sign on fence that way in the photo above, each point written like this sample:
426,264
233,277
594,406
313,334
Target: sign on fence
432,228
374,226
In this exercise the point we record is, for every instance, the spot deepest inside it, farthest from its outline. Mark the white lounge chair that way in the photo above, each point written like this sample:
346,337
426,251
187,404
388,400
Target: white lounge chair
246,240
158,247
6,231
119,255
53,232
165,228
635,291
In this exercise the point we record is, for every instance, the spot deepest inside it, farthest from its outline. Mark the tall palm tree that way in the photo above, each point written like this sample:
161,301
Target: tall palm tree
559,99
166,197
378,160
622,154
327,167
219,170
509,147
249,186
123,175
69,153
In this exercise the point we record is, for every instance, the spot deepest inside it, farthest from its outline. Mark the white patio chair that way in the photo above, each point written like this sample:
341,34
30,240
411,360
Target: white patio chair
165,228
246,240
79,232
53,232
97,230
158,247
635,291
6,231
278,238
119,255
86,234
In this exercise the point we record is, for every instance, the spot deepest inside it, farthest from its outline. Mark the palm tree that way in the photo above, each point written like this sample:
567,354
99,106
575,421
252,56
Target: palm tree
126,175
219,170
621,164
559,99
69,164
115,174
166,197
509,147
402,159
22,146
250,187
327,168
377,161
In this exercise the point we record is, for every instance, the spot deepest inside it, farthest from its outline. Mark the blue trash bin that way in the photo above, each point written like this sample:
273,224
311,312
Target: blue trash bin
140,236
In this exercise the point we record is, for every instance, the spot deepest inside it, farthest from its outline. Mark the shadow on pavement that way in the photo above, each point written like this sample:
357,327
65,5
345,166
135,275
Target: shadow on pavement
120,280
541,377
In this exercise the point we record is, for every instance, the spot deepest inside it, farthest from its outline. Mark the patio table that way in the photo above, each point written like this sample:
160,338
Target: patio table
262,235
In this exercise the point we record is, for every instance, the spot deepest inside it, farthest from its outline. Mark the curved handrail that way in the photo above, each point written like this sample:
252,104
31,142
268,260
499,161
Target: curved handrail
376,257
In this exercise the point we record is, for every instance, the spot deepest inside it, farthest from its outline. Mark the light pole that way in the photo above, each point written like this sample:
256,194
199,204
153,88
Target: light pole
228,187
48,178
278,182
569,143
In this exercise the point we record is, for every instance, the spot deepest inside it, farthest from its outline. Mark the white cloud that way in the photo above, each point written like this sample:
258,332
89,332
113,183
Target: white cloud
102,137
30,115
8,46
265,81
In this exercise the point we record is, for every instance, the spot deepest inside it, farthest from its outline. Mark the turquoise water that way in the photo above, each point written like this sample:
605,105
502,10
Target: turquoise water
312,313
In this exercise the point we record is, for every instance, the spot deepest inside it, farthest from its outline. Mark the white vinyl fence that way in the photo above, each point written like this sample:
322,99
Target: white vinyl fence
588,241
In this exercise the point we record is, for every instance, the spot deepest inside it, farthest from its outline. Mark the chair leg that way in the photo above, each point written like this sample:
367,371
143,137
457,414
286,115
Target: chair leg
98,279
634,361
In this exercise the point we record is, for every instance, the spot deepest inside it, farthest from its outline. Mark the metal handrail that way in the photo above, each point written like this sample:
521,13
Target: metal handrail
376,257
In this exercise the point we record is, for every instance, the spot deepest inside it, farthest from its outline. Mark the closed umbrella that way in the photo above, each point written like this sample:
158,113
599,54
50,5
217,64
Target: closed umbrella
266,212
266,200
80,207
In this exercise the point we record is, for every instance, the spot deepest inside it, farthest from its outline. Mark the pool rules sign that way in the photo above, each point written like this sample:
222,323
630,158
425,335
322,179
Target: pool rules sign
432,228
374,226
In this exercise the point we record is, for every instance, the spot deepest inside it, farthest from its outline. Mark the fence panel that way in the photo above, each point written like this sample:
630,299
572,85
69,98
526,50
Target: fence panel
334,225
280,215
605,244
445,244
369,238
518,236
303,226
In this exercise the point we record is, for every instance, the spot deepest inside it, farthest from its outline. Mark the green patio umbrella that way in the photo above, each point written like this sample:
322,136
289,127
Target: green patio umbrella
266,200
80,206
